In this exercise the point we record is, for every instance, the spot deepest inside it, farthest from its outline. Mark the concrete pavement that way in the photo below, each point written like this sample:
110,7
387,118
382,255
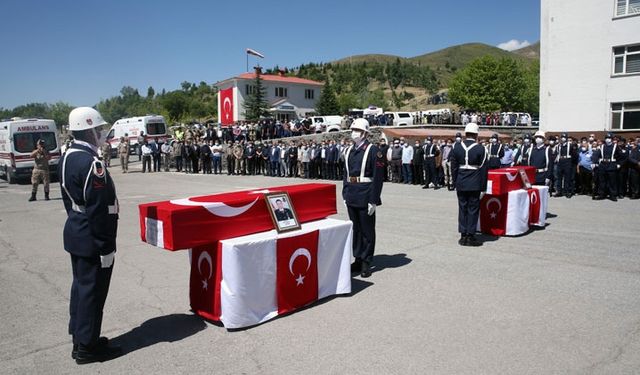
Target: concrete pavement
564,300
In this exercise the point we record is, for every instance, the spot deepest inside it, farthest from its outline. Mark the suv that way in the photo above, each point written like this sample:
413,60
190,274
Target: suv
399,118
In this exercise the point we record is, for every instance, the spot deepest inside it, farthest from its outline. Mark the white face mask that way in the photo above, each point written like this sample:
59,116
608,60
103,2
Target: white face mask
607,141
493,140
458,139
539,141
356,136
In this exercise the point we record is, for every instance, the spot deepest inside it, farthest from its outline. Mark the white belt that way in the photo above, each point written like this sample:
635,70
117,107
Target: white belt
471,167
359,179
112,209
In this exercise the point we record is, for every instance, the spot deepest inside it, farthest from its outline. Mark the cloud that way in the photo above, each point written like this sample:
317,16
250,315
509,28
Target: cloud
513,45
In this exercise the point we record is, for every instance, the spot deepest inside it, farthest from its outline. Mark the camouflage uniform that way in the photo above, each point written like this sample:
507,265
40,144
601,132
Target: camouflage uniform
40,172
123,152
105,149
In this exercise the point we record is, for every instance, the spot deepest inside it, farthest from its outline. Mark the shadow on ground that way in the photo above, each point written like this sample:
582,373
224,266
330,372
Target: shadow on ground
384,261
168,328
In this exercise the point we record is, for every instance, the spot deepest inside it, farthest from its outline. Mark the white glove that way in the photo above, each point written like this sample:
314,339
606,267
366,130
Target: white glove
547,181
371,209
107,260
482,193
345,203
593,166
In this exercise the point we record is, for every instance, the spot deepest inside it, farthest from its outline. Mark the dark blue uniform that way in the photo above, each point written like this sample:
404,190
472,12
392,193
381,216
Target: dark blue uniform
607,159
90,200
358,190
495,152
567,159
470,175
542,159
430,167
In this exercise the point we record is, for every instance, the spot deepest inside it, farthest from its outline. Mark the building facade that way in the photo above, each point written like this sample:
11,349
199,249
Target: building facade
289,98
590,65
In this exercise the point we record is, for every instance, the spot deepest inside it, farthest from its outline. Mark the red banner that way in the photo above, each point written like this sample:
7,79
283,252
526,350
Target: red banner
534,206
297,271
225,106
204,288
493,214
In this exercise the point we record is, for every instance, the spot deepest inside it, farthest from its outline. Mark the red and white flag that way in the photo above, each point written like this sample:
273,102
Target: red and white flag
538,200
505,214
254,53
261,276
225,106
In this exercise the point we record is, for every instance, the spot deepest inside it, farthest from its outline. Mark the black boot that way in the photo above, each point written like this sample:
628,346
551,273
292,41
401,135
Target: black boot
366,270
46,196
473,241
33,197
96,353
102,341
463,240
356,266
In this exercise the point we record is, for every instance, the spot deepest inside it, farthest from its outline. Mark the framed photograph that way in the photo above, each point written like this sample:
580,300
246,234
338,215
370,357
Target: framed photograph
525,178
282,212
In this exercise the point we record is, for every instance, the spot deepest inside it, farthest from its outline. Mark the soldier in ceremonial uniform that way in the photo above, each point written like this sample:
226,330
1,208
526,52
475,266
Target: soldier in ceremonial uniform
607,159
40,172
362,186
89,197
468,166
567,155
522,154
634,169
541,157
495,152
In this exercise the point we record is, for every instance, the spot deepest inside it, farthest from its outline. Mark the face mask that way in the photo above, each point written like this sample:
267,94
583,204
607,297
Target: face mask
563,139
552,143
449,144
356,136
458,139
417,144
590,139
584,149
493,140
607,141
539,141
527,142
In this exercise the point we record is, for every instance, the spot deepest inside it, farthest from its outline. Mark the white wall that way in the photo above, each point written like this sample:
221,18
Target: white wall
576,87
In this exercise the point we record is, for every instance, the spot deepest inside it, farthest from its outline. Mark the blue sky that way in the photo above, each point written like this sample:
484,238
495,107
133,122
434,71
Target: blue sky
83,51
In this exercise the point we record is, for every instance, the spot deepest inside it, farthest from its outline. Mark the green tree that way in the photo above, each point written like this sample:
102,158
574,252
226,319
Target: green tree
255,105
327,103
346,101
489,84
151,93
176,103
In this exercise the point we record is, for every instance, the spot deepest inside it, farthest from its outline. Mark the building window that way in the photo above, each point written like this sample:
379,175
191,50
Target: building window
625,115
627,7
626,60
309,94
250,89
281,92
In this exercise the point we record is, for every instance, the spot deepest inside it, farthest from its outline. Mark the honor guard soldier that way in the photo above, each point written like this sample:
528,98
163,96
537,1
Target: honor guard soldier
541,157
362,186
607,160
40,172
634,169
430,168
522,155
90,200
469,168
495,152
567,155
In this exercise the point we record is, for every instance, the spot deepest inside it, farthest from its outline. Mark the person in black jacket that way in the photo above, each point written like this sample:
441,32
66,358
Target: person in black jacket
89,198
468,166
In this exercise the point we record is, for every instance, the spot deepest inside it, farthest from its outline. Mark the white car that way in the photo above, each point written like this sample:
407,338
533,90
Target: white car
399,118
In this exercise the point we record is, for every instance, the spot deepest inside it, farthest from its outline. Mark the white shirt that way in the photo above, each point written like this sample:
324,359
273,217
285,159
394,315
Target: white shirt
407,155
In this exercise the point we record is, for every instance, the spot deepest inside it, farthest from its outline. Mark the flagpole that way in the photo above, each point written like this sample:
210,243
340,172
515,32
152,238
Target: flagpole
246,53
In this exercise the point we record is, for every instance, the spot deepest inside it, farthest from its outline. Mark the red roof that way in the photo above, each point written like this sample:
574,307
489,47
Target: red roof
277,78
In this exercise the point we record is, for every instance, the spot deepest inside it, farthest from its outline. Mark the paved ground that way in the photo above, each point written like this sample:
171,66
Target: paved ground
564,300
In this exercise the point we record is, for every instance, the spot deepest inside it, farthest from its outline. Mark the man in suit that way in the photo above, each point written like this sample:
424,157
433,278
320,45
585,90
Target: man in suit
282,213
468,165
89,198
430,153
274,159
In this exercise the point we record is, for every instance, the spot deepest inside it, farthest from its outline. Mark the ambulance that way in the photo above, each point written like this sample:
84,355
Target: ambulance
18,139
153,126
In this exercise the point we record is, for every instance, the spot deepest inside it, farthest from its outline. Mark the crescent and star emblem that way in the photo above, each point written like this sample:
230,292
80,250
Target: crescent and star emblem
510,177
300,252
216,208
534,198
205,256
226,111
494,214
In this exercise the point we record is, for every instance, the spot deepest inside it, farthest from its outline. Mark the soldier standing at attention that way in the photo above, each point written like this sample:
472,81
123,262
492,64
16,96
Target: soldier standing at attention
362,186
495,152
105,150
123,152
40,171
89,197
470,175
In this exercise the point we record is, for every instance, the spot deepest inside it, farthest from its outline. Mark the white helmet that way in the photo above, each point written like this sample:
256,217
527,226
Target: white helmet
360,124
83,118
539,133
471,127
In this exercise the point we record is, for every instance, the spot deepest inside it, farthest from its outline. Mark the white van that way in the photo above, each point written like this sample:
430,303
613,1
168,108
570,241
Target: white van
399,118
328,123
18,139
154,127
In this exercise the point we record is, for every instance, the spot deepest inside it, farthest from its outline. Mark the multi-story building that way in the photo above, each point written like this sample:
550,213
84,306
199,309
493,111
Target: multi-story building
590,65
289,98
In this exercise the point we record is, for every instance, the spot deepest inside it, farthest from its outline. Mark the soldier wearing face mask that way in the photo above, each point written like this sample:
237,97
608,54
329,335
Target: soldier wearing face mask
566,156
541,157
523,152
362,186
607,158
634,169
431,151
495,152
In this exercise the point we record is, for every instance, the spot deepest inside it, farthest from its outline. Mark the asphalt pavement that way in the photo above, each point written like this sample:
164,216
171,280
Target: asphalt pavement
563,300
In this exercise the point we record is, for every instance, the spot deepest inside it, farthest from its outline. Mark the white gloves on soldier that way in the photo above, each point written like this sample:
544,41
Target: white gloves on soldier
547,182
106,261
371,208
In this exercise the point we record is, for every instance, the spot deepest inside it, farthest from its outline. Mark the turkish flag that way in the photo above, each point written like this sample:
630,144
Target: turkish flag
296,271
534,205
538,202
225,106
493,214
204,288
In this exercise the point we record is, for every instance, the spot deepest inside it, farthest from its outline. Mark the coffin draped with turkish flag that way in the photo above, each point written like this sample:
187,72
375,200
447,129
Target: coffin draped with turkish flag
242,271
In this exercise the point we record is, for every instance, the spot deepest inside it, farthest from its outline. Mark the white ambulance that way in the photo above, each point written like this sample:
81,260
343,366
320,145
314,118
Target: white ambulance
18,139
153,126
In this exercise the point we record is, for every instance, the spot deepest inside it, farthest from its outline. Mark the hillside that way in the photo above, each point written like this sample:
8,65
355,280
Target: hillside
532,51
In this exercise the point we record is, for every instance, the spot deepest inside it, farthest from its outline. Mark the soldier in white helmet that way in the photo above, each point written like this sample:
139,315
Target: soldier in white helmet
361,191
90,200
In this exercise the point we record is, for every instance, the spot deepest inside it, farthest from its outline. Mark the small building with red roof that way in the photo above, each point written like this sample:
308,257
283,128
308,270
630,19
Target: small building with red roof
289,98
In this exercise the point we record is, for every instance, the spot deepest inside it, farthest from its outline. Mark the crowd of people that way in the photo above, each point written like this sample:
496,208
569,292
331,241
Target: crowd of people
571,166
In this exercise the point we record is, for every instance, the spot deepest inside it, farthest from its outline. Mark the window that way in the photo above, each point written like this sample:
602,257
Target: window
626,60
627,7
281,92
625,115
309,94
156,128
26,142
250,89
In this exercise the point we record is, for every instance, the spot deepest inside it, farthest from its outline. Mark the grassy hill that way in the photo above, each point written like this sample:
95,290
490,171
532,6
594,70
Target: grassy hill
531,52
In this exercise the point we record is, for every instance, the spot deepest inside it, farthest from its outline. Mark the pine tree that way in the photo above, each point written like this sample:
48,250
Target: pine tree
256,106
327,103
